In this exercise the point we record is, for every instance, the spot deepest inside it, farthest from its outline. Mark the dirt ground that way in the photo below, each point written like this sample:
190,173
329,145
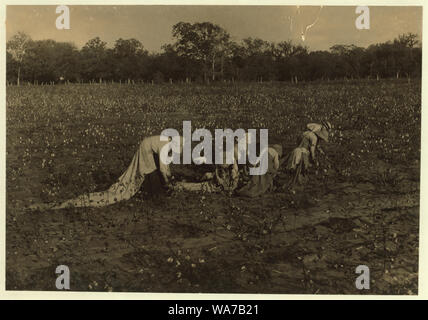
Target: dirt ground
223,244
309,240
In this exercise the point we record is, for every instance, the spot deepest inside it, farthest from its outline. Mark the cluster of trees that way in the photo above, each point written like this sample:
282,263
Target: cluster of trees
205,52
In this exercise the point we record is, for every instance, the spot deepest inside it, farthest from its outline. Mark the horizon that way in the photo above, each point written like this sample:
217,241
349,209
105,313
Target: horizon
332,25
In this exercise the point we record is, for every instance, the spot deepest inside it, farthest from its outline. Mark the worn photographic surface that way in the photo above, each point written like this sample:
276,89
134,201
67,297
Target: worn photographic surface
213,149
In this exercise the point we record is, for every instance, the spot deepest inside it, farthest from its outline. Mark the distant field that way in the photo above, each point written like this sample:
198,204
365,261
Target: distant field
362,207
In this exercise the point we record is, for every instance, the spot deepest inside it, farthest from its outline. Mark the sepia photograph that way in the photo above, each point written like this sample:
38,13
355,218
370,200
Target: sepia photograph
232,149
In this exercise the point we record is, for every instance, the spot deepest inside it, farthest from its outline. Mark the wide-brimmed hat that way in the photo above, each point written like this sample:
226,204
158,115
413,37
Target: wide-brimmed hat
321,130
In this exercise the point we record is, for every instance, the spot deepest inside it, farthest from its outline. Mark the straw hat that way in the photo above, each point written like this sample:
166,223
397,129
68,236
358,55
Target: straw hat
321,130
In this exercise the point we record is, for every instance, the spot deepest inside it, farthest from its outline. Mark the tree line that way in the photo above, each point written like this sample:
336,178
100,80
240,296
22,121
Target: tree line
204,52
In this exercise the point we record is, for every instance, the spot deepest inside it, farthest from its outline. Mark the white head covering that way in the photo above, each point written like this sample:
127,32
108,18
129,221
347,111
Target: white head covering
320,130
314,127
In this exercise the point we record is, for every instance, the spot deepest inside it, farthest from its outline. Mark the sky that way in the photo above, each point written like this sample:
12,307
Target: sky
152,25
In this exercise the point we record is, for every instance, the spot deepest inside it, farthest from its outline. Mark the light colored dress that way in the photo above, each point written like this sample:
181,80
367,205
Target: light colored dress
260,184
302,152
130,181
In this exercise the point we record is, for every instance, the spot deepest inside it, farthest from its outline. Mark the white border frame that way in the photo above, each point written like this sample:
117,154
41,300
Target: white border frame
63,295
